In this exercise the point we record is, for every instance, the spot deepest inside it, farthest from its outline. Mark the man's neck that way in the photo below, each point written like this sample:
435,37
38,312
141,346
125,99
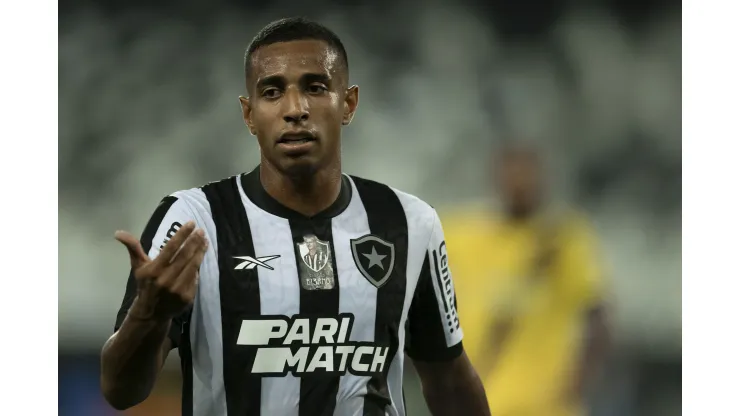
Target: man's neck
521,214
308,195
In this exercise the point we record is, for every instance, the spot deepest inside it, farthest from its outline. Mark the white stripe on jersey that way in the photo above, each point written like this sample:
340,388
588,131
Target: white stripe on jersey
279,295
209,396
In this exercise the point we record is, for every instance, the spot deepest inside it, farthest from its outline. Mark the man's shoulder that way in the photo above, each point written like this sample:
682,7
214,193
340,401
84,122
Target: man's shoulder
197,198
415,208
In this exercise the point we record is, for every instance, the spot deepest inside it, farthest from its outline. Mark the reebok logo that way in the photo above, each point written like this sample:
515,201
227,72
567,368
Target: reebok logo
303,345
249,263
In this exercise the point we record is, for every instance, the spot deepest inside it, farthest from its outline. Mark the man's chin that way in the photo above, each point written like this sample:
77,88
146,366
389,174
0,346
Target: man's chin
299,168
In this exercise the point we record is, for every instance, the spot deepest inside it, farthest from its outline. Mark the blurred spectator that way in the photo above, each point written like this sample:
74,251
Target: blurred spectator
531,293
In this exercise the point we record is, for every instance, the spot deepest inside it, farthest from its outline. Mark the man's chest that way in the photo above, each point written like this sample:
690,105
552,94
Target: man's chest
312,268
307,298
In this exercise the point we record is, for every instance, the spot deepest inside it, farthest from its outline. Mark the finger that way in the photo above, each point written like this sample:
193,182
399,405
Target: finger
191,245
133,245
187,280
170,272
173,246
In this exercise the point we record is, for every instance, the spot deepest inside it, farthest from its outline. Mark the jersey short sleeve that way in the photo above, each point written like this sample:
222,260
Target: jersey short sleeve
168,217
434,331
581,265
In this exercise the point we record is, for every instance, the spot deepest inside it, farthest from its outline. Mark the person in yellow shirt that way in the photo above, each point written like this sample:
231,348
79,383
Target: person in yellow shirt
531,292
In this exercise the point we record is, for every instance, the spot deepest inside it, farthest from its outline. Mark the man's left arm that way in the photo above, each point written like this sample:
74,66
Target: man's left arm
585,270
450,384
452,387
595,349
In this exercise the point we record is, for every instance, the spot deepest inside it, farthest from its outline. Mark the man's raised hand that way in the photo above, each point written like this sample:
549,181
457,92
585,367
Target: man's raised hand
167,284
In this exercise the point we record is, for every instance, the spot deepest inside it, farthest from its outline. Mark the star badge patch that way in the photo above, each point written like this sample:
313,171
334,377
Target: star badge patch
374,258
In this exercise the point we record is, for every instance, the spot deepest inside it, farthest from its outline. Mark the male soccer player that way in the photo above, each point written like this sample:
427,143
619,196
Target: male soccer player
293,289
533,289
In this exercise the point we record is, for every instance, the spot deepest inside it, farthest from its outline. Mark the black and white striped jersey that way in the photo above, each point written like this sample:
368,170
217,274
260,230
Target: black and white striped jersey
298,316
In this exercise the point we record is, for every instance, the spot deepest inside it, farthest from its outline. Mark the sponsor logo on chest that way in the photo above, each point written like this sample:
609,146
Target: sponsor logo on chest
304,345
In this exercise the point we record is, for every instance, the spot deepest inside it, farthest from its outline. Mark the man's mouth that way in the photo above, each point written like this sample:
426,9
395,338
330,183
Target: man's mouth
297,138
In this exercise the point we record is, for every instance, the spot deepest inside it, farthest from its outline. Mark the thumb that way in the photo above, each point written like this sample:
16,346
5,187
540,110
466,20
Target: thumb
135,251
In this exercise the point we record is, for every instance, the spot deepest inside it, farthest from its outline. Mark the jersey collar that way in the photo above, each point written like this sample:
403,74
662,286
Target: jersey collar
256,193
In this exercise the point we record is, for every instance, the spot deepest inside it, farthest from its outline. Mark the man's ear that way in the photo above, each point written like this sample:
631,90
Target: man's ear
351,99
247,114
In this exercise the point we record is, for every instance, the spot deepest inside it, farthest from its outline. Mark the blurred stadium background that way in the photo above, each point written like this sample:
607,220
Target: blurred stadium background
148,105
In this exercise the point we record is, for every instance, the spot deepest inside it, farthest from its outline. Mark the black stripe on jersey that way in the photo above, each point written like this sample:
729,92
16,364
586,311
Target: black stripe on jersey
239,294
318,391
387,220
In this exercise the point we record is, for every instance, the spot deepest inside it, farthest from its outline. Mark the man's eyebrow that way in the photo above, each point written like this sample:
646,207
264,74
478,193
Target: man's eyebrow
316,77
271,80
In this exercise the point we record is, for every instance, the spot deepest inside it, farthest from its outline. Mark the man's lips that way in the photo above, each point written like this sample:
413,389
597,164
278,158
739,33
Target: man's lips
296,143
297,137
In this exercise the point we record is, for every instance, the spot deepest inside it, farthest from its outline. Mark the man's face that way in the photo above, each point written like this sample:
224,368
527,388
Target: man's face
311,246
520,182
298,102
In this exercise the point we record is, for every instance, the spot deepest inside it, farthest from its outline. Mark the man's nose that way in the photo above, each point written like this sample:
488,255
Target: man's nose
296,110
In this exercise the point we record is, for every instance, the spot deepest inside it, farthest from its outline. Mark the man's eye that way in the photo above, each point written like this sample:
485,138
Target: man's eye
316,88
271,93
